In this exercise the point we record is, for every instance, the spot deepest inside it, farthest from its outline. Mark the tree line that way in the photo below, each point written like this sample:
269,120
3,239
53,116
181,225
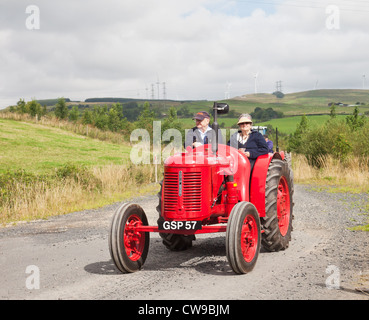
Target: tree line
340,138
118,117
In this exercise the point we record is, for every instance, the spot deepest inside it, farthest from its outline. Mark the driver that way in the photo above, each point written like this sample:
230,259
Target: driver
202,133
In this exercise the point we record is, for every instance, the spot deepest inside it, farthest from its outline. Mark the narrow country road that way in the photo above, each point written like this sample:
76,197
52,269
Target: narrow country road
67,257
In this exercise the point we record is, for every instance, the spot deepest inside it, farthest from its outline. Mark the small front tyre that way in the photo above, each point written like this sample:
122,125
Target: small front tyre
128,247
243,237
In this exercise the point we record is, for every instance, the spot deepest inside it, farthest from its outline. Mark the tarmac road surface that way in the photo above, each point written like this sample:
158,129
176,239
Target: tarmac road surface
67,257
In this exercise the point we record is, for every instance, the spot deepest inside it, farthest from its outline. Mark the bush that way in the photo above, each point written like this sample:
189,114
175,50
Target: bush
80,174
266,114
335,138
278,94
61,109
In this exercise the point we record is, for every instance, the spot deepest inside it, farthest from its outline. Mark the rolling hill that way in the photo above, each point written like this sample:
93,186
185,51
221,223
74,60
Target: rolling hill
40,149
312,103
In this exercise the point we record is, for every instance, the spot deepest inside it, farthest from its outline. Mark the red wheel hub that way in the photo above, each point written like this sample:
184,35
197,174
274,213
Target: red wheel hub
134,241
283,206
249,238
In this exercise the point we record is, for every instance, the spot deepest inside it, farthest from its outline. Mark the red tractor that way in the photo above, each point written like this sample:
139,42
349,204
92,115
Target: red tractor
208,190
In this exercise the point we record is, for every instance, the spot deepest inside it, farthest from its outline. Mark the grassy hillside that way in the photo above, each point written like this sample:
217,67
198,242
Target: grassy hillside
41,149
288,125
298,103
46,171
308,102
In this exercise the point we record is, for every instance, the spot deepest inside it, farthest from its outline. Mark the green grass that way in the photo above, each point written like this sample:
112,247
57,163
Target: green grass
299,103
307,102
288,125
312,103
40,149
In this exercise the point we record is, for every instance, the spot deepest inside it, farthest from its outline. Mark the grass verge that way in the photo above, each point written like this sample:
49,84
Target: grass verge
350,176
26,196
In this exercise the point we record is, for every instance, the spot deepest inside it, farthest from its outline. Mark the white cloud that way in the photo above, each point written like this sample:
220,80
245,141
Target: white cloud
120,48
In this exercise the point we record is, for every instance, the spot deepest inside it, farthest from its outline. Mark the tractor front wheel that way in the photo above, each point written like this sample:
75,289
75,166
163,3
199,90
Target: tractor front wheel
243,237
128,247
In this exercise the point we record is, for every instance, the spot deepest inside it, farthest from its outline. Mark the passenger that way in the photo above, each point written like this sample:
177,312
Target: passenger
202,133
249,141
269,143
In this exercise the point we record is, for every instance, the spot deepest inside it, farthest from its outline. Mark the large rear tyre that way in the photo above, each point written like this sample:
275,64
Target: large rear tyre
174,242
128,247
277,222
243,237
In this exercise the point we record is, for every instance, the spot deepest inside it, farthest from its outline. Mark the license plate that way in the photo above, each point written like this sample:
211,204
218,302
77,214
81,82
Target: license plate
179,225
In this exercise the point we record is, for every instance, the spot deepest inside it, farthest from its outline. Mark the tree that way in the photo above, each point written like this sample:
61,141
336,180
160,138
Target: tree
184,112
131,111
114,123
295,142
34,108
21,106
119,109
332,111
87,117
146,118
74,114
171,122
354,121
278,94
61,109
266,114
100,117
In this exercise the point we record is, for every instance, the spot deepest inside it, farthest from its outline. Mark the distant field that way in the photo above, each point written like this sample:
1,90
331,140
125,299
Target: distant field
299,103
288,125
39,149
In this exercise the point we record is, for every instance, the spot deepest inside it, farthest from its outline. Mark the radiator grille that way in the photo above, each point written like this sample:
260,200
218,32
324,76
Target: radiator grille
171,191
191,191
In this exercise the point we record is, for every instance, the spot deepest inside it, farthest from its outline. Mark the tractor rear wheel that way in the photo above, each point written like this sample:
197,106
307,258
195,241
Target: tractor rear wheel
277,222
128,248
243,237
174,242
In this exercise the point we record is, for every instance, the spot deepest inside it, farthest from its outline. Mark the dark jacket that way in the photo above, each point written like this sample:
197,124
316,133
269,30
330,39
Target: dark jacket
255,144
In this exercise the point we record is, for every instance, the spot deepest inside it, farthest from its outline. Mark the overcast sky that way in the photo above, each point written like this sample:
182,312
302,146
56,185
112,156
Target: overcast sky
201,49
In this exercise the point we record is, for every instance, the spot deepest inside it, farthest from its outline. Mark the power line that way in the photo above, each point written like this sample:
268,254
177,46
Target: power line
158,83
278,86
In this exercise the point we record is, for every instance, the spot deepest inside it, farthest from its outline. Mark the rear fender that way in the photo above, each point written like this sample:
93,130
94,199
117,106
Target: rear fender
258,180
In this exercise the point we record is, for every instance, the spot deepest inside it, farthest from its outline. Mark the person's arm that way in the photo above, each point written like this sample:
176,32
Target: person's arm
189,138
